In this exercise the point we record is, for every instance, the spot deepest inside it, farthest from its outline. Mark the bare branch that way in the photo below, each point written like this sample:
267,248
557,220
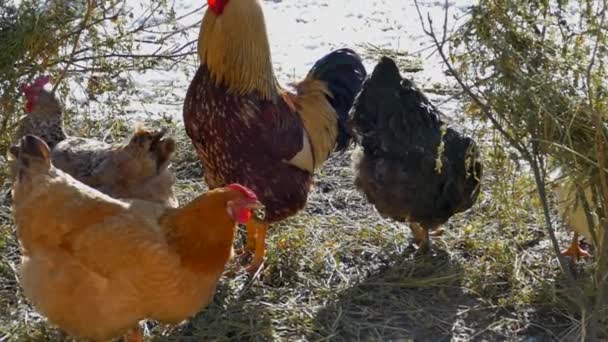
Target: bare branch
85,20
531,157
467,89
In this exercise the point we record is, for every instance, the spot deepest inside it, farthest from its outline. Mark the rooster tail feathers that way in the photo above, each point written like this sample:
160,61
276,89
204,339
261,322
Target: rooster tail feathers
343,72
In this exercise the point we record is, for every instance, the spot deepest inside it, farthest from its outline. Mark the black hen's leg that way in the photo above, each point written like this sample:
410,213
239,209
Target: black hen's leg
421,238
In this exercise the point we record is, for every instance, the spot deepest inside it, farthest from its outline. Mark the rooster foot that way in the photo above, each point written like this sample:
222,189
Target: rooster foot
252,269
244,255
243,251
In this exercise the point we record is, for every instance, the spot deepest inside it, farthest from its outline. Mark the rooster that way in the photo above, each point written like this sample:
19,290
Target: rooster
137,169
96,266
412,167
247,129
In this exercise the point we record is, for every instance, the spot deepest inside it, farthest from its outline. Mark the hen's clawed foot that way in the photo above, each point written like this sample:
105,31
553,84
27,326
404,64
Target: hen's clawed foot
423,247
576,251
422,243
437,232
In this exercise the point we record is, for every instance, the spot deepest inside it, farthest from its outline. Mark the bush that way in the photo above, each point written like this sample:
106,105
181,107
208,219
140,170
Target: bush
96,44
536,71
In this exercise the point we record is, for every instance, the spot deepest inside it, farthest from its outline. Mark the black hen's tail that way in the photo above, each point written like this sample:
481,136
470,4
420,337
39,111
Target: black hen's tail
344,74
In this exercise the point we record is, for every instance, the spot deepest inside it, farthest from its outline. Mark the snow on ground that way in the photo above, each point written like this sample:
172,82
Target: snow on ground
302,31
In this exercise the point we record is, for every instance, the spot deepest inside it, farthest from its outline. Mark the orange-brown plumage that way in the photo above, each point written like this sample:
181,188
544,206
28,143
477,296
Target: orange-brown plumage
246,128
95,265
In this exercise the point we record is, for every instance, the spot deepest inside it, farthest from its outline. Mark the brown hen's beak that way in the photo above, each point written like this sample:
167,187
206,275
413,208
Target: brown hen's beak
158,135
258,210
255,205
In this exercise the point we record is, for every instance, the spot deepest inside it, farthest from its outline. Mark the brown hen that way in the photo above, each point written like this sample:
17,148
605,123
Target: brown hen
96,266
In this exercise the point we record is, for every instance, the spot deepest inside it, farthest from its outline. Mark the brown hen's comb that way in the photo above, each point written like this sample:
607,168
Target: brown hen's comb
38,83
246,191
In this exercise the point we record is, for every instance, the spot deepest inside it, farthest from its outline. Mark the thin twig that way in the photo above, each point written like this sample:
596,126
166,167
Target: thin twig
535,163
467,89
83,25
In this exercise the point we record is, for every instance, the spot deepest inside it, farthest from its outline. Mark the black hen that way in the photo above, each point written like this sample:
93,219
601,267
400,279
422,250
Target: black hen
398,168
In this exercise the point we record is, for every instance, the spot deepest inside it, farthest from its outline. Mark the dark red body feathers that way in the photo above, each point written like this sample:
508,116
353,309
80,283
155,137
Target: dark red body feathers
245,139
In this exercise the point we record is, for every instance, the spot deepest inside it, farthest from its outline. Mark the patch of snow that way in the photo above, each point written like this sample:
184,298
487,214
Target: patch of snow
300,32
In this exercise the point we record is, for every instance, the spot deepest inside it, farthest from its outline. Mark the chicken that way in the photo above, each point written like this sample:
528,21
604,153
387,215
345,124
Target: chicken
411,166
572,210
137,169
247,129
95,265
44,114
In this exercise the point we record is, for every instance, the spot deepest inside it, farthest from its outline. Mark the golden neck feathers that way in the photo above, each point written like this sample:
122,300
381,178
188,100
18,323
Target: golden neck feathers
234,47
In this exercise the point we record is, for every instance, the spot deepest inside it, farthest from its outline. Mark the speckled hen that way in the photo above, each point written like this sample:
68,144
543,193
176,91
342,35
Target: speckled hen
44,114
247,129
136,169
95,266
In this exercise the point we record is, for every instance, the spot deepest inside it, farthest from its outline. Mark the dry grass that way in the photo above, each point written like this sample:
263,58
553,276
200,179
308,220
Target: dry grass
338,271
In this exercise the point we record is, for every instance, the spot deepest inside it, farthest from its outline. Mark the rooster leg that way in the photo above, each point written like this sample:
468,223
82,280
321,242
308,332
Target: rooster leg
260,248
134,335
421,238
575,251
251,235
251,239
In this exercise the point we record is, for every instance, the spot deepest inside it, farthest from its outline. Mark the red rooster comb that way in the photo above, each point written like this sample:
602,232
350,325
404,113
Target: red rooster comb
217,6
246,191
38,83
